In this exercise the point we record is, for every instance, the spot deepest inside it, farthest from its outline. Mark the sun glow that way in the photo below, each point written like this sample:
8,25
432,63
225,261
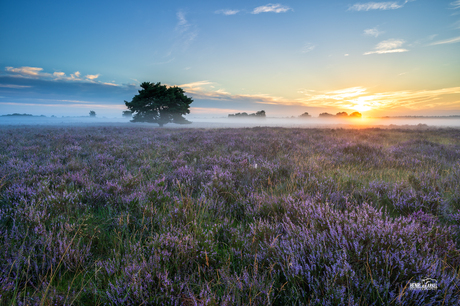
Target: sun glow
362,104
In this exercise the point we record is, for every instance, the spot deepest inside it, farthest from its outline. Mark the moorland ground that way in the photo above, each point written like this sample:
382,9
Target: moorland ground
255,216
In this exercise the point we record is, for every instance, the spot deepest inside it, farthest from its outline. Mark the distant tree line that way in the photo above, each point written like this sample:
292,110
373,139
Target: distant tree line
305,115
259,114
21,115
341,115
17,115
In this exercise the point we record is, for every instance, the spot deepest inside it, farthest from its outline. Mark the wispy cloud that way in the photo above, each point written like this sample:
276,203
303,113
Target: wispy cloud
447,41
273,8
308,47
361,98
375,6
37,73
206,90
357,98
373,32
227,12
455,5
92,76
187,31
14,86
388,46
386,51
182,23
28,71
391,5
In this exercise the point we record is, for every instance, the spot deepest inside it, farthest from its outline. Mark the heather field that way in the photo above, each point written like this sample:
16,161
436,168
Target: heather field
251,216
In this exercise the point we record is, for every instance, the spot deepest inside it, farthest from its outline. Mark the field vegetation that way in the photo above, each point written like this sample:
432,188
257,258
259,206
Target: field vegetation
255,216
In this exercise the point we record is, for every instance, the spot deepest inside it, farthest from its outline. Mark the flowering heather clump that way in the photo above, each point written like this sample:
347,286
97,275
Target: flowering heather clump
260,216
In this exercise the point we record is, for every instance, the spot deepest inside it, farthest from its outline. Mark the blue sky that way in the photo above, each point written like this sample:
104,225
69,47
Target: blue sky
379,58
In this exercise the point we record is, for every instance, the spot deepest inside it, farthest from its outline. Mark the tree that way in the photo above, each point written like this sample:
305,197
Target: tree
342,114
127,114
356,115
326,115
260,114
305,115
160,104
92,114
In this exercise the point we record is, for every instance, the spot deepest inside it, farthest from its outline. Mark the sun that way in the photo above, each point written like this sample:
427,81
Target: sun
362,104
362,108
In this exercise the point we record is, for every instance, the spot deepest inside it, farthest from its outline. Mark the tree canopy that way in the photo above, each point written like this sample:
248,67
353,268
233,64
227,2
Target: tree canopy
127,114
160,104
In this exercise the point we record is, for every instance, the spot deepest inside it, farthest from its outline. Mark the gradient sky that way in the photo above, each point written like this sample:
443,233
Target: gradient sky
379,58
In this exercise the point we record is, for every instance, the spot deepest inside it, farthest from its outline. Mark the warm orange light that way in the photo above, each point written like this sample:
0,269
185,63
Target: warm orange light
362,104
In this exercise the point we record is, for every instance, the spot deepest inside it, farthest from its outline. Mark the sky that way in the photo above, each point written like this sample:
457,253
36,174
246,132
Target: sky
390,58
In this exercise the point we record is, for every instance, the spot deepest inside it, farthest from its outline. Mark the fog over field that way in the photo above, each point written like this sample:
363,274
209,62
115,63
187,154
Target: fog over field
223,122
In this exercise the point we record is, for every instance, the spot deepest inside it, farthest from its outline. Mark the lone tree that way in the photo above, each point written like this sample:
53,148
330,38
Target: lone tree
160,104
92,114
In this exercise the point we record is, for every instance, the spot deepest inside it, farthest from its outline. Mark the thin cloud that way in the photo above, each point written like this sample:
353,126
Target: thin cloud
455,5
360,98
227,12
59,74
349,98
308,47
373,32
182,23
110,84
386,51
388,46
271,8
14,86
92,76
28,71
37,73
205,90
375,6
187,31
447,41
62,76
